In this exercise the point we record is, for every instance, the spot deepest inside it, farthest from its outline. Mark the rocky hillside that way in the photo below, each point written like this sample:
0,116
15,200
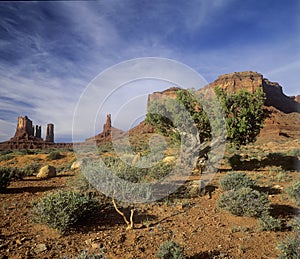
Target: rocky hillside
283,121
250,81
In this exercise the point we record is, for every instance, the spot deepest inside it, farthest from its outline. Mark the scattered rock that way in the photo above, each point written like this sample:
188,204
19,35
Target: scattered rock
46,172
169,159
40,248
76,165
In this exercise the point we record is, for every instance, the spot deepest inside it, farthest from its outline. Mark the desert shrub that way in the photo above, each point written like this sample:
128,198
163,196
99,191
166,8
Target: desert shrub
244,202
293,191
4,177
6,157
53,155
31,169
268,223
64,168
290,247
7,175
295,224
62,210
170,250
235,181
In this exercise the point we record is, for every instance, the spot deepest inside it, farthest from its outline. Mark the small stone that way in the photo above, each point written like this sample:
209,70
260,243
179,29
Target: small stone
46,172
18,242
95,246
40,248
88,242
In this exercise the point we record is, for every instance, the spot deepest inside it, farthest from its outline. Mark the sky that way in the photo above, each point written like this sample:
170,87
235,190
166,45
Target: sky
50,52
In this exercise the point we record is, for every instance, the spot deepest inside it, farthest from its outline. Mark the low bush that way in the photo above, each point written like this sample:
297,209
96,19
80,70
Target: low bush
236,180
62,210
4,177
7,175
293,191
6,157
170,250
290,247
31,169
244,202
268,223
53,155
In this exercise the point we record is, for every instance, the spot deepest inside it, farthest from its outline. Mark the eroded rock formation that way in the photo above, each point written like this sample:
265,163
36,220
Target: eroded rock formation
50,133
107,133
28,136
250,81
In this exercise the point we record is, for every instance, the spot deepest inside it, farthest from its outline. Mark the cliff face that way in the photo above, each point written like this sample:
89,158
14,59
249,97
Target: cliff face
250,81
169,93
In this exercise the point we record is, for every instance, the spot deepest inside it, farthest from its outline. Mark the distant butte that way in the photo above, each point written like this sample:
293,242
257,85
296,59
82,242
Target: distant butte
29,137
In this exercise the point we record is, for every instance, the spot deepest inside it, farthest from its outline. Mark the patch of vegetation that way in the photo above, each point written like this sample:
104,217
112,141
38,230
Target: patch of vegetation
293,191
62,210
64,168
31,169
244,202
269,223
7,175
290,247
54,155
135,174
170,250
6,157
236,180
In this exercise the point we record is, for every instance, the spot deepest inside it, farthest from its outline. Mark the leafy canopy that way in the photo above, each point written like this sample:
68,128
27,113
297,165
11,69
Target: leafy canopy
243,114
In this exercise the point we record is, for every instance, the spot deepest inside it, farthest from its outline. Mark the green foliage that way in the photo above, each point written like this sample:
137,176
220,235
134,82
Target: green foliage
31,169
170,250
4,177
293,191
54,155
135,174
6,157
244,202
235,181
268,223
7,175
62,210
290,247
244,114
171,117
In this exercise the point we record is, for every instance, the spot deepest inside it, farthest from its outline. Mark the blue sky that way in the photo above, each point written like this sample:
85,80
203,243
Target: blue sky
50,51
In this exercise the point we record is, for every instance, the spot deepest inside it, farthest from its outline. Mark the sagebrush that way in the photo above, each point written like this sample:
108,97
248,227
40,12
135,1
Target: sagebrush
245,202
236,180
63,209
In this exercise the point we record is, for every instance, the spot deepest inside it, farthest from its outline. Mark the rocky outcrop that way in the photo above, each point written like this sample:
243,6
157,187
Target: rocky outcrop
46,172
25,129
107,133
170,93
50,133
251,81
29,137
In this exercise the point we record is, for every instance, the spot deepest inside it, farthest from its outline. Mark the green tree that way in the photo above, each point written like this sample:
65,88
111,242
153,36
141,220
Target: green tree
243,114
